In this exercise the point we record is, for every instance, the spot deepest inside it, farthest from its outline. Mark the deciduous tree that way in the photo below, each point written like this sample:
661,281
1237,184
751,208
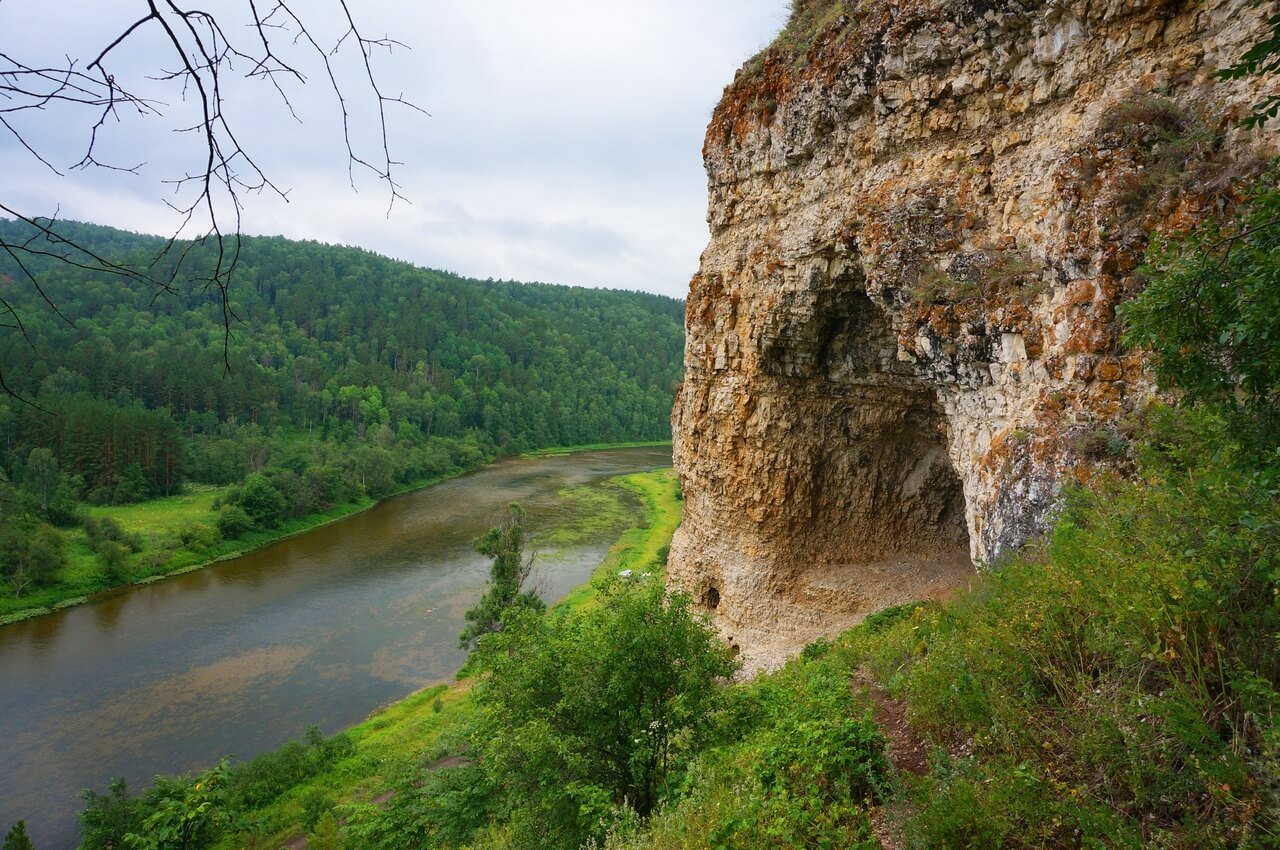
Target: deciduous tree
40,478
507,576
579,714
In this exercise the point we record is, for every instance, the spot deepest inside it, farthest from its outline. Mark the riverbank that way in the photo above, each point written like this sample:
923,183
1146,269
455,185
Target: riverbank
162,527
171,532
415,730
591,447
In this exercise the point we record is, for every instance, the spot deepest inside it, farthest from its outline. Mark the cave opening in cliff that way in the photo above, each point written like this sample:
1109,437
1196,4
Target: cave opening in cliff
820,469
886,481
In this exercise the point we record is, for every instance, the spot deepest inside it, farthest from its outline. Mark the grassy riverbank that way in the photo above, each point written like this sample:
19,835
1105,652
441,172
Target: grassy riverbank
644,546
590,447
172,536
417,730
178,534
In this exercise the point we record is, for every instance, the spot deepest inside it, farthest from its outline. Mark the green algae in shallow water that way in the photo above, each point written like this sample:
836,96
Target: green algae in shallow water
586,515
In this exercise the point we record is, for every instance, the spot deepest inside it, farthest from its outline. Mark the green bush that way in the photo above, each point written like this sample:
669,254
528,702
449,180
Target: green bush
194,811
113,559
444,807
261,501
578,715
233,522
265,777
108,817
1210,313
196,536
798,762
326,835
99,529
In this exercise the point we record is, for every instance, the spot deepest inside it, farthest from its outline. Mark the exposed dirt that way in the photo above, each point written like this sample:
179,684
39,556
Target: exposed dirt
907,752
449,761
834,600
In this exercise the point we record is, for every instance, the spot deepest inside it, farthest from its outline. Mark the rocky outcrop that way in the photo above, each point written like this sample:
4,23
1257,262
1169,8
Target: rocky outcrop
902,338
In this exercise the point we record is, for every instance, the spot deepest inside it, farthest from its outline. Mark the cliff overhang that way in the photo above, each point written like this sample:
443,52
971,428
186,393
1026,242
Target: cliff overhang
902,337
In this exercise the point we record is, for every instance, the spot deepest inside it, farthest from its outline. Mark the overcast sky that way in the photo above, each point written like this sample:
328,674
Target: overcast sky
563,143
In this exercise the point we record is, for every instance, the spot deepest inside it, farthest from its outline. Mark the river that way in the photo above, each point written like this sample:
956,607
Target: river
241,656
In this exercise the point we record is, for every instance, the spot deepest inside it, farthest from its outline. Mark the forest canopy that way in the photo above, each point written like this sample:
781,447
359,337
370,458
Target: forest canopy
336,375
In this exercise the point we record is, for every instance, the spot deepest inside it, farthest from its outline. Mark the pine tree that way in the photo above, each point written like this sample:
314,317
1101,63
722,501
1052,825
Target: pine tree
16,838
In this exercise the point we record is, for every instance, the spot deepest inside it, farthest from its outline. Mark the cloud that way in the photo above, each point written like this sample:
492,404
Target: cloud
563,144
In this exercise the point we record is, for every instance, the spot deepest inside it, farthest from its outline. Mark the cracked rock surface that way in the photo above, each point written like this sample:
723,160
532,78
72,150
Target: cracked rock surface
902,338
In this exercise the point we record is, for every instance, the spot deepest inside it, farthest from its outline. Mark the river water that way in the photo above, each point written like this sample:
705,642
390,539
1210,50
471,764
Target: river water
241,656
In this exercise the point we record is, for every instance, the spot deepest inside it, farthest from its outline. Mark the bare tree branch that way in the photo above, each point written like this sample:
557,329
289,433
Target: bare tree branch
209,196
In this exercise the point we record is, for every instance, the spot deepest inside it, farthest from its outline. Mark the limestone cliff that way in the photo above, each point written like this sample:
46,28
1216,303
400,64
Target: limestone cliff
902,337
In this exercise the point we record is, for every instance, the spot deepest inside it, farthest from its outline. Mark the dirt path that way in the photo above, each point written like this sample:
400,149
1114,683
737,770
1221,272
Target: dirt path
907,750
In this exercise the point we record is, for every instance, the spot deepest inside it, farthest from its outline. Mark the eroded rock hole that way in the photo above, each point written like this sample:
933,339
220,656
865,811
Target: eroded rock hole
711,598
885,469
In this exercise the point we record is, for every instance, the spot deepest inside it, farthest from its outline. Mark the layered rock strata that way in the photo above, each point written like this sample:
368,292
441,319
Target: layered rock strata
902,338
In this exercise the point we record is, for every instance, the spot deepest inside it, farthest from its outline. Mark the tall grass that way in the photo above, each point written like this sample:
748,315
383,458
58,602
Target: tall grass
1113,687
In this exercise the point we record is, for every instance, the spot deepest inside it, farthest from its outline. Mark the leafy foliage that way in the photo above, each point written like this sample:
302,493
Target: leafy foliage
580,715
326,835
1210,313
796,762
31,554
438,807
507,575
1262,58
185,815
192,812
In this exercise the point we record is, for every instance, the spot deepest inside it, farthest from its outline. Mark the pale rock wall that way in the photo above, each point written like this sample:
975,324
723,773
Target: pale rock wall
902,336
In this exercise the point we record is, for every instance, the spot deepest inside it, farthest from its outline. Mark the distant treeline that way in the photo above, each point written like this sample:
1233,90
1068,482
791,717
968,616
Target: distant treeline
328,375
333,342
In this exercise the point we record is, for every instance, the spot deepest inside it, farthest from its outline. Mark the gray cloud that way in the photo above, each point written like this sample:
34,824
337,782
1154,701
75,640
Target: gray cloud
563,144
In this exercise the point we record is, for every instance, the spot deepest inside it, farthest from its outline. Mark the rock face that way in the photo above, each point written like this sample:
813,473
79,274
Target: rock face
902,338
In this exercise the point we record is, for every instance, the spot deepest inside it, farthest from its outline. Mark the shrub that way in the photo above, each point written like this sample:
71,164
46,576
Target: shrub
1210,312
46,555
261,501
233,522
196,536
267,776
113,559
107,818
798,763
315,805
579,714
443,807
326,835
98,529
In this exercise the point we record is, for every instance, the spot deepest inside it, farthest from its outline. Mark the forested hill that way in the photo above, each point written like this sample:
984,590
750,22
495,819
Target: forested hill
380,367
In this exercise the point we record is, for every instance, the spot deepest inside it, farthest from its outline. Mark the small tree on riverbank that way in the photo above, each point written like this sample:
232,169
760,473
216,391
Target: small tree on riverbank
16,838
507,576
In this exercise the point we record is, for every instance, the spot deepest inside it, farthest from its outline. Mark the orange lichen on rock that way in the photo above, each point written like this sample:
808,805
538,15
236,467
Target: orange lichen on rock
903,335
